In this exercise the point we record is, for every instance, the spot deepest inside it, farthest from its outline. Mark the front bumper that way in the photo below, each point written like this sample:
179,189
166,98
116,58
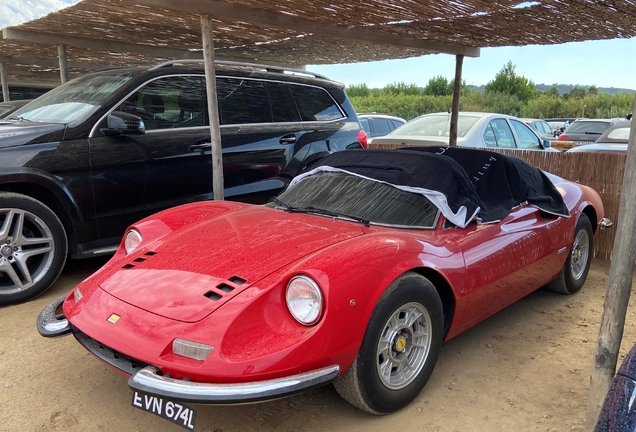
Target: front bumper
150,381
52,324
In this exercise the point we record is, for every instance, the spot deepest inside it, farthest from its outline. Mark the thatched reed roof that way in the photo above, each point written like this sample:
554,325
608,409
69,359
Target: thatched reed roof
300,32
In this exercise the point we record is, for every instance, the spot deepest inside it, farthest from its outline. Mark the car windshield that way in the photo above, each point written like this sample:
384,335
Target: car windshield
436,125
589,127
364,199
75,100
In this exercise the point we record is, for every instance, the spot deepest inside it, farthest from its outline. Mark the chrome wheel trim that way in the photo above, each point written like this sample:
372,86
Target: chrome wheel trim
580,254
27,250
404,345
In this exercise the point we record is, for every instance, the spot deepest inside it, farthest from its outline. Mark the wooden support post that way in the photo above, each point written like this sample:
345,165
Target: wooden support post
452,139
213,106
61,54
5,82
619,286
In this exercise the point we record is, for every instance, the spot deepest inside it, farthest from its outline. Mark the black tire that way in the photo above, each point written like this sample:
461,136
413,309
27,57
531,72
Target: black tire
389,342
577,264
33,248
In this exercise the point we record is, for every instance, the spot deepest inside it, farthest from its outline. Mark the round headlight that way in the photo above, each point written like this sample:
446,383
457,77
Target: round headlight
132,240
304,300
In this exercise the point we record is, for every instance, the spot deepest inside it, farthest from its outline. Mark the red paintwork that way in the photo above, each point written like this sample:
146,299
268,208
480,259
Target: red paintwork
195,247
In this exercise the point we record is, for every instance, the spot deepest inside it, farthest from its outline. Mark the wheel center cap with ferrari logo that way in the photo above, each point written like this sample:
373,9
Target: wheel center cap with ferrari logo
400,344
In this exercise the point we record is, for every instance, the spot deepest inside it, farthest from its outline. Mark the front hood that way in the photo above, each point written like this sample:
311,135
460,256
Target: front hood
15,133
195,270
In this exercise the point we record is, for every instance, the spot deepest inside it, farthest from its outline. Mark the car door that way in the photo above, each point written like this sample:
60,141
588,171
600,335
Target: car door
136,175
507,260
526,138
498,134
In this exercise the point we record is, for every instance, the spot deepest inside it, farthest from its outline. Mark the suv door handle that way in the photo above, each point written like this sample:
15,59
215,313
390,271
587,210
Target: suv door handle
200,147
288,139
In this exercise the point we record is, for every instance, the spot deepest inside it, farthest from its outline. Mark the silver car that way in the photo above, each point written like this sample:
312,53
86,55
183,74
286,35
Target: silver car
474,129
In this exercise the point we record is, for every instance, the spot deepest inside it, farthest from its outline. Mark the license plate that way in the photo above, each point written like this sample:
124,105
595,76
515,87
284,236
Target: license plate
176,412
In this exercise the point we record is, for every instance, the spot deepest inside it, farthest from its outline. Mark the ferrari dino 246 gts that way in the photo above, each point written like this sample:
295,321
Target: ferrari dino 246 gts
354,275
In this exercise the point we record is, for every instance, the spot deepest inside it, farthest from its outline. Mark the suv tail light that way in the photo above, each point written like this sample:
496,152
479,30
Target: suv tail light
362,138
564,138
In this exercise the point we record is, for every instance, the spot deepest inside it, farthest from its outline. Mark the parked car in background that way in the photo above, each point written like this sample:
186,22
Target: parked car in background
558,125
7,108
474,129
376,125
543,129
585,131
618,413
613,140
393,251
85,160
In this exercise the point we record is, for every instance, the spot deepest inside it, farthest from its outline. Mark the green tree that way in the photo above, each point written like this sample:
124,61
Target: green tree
576,92
552,92
439,86
508,82
592,91
358,90
402,88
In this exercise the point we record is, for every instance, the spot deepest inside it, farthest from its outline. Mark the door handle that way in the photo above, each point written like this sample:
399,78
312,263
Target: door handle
288,139
200,147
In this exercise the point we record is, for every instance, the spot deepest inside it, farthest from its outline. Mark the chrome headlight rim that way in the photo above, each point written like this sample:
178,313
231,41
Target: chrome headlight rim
318,298
132,240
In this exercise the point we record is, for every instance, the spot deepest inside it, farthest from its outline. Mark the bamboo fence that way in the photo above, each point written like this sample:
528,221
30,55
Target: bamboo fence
603,172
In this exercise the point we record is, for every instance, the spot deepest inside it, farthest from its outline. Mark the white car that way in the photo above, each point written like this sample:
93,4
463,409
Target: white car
474,129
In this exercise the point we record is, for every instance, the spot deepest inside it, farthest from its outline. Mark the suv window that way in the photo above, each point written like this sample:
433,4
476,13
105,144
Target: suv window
280,99
243,101
170,102
380,126
315,103
527,139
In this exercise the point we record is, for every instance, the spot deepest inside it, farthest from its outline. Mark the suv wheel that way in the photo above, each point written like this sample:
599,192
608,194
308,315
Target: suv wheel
33,248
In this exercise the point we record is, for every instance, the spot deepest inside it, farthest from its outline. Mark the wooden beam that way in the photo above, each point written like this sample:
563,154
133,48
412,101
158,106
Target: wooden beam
452,139
619,287
6,97
100,44
51,62
61,54
260,17
213,107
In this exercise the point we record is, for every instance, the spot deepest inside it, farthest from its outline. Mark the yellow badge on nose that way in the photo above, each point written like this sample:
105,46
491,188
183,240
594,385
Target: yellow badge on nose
113,318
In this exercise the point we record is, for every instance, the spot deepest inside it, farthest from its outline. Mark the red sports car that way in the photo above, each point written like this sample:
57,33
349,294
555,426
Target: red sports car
354,275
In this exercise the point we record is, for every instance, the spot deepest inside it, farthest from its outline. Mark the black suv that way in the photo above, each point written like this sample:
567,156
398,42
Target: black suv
82,162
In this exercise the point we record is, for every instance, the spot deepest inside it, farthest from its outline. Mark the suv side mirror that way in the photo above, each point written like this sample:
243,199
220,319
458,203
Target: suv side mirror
547,144
121,123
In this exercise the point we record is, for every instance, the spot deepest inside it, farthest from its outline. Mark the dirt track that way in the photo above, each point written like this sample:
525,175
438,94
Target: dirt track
525,369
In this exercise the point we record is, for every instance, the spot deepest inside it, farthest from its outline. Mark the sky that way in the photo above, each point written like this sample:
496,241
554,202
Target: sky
608,63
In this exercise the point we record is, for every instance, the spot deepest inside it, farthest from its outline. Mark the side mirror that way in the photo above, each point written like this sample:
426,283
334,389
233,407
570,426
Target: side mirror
121,123
547,144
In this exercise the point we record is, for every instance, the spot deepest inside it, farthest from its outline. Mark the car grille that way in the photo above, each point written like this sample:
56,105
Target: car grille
119,361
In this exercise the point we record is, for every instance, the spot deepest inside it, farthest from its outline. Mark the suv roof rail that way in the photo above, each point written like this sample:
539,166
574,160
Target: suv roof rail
268,68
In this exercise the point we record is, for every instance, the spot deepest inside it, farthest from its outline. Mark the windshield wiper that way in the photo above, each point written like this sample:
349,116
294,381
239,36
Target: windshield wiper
287,207
311,209
338,214
18,118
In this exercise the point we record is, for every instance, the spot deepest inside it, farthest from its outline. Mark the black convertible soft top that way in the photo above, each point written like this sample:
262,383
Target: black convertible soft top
463,183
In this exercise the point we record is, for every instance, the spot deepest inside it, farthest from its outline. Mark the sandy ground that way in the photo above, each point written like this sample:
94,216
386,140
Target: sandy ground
525,369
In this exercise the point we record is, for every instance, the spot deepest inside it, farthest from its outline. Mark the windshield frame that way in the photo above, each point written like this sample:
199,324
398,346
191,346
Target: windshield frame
52,103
